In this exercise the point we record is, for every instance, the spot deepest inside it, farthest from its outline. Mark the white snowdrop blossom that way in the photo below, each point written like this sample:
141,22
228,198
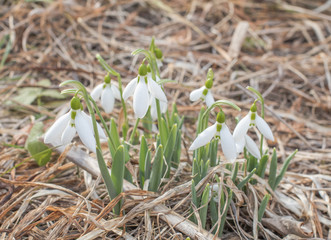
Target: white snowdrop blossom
204,92
219,130
249,144
250,120
64,129
108,93
142,88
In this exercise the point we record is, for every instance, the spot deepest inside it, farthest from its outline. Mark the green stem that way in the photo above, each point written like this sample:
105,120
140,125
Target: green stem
134,130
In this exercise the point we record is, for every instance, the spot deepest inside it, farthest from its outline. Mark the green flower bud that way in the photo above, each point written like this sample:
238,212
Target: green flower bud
253,107
75,103
73,115
204,92
209,83
149,68
210,74
142,70
220,117
107,78
158,53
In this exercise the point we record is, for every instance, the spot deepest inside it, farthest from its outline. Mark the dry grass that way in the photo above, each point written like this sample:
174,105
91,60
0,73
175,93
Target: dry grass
281,48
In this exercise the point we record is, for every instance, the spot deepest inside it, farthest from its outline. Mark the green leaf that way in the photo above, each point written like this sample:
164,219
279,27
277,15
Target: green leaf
204,206
117,175
148,165
284,168
163,132
263,206
273,169
252,163
224,211
142,160
52,93
246,179
114,133
156,173
163,81
40,152
169,150
262,166
194,202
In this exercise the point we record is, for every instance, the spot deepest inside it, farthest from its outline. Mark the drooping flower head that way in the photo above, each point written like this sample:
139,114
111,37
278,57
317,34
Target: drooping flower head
64,129
159,57
250,120
142,87
221,131
204,92
108,93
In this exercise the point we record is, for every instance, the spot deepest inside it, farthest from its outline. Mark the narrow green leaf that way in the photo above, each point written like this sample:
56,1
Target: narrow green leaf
213,152
177,151
142,160
163,132
252,163
194,202
224,211
148,165
235,172
263,206
105,175
204,206
273,169
169,150
284,168
246,179
114,133
156,173
262,166
196,171
117,175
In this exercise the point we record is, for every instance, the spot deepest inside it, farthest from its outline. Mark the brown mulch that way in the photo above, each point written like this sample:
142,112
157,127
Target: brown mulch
281,48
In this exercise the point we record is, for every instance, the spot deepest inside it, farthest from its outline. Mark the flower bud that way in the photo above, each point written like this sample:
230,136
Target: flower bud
75,103
220,117
107,78
142,70
253,107
158,53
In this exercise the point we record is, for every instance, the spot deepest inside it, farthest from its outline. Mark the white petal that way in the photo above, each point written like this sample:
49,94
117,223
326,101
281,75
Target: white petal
264,128
68,134
116,92
159,62
107,99
129,90
85,132
251,147
196,94
242,127
204,137
152,103
209,99
54,133
96,93
156,90
88,118
141,99
228,144
240,144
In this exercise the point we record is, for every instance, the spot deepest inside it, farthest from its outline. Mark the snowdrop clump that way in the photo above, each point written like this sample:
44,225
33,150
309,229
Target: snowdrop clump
219,130
64,129
107,92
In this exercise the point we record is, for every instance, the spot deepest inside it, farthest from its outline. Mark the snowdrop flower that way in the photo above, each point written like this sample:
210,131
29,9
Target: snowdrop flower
64,129
107,92
219,130
249,144
142,87
204,92
251,120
